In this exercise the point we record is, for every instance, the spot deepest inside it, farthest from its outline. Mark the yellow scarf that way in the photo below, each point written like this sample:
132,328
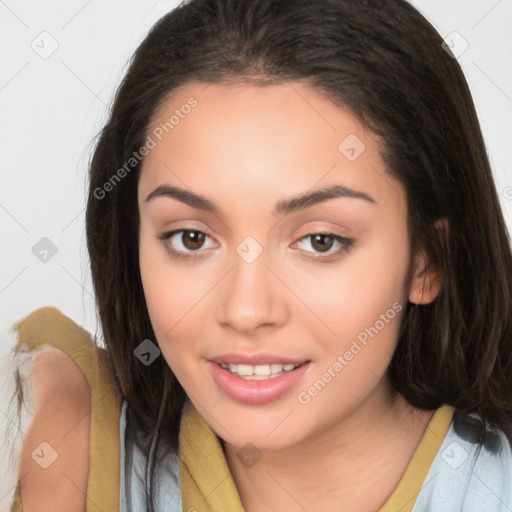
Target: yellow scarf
207,485
205,480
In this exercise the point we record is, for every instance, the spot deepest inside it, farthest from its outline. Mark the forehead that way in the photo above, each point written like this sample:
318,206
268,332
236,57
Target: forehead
271,113
249,139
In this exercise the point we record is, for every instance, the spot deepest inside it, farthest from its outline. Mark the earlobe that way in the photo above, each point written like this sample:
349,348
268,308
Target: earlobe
426,289
427,281
422,290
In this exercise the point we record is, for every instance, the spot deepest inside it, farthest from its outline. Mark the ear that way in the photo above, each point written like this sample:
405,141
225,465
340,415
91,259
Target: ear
426,282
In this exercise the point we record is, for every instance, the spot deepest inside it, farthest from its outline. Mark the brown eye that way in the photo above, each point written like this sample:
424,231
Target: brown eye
185,243
322,242
192,239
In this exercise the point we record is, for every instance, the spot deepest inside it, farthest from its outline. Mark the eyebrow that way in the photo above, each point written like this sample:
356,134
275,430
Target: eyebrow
284,206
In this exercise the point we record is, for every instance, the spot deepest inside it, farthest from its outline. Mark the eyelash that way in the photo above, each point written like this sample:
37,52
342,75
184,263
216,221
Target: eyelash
346,245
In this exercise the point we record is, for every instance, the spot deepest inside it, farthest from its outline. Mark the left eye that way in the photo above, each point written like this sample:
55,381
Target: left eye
323,242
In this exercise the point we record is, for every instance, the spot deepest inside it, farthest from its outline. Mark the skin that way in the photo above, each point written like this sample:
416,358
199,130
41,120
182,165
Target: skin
62,416
245,148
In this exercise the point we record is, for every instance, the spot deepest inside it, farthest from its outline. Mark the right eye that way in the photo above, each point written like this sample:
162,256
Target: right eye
190,241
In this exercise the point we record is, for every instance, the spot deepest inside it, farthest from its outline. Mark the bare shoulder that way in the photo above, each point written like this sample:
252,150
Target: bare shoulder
54,459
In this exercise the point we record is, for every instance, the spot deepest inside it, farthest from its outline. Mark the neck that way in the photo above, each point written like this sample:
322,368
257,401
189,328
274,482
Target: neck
353,465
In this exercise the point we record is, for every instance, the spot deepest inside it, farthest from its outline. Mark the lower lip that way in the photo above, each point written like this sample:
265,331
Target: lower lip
256,392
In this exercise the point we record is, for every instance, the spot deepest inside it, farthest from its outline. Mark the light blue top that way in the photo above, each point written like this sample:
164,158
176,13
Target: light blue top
132,475
459,480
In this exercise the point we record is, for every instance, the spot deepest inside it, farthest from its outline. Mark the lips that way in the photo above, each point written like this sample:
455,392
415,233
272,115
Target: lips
256,390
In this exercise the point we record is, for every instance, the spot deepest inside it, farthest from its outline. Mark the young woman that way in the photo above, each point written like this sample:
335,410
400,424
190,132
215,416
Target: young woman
302,272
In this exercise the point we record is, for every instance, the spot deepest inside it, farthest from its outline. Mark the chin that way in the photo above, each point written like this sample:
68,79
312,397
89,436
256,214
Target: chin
266,431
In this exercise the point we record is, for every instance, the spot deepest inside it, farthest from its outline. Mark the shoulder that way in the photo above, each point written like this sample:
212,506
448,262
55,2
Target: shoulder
54,459
59,371
489,471
466,475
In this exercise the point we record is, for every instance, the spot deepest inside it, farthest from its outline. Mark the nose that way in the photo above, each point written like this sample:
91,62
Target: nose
251,297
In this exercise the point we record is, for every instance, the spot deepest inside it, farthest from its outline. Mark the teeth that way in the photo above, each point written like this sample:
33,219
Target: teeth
245,369
260,371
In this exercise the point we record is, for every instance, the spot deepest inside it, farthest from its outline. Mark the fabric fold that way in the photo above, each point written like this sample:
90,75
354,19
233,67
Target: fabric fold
205,480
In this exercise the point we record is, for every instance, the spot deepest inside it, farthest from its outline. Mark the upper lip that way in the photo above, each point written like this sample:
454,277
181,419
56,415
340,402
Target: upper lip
255,359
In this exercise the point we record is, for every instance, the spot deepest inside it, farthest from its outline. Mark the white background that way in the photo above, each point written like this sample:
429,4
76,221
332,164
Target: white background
53,107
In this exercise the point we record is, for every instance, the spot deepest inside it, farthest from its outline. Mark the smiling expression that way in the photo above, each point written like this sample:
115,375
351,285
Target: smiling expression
242,277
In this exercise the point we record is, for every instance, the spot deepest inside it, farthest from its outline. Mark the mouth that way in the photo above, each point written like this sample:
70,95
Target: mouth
260,371
257,384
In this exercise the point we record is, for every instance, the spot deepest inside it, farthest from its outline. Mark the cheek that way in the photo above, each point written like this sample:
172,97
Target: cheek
170,296
167,290
360,304
363,285
154,280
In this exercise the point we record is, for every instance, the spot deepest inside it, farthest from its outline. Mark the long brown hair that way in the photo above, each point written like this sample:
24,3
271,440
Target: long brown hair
386,63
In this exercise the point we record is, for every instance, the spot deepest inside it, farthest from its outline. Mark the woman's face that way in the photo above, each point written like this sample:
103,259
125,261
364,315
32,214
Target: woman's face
247,283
